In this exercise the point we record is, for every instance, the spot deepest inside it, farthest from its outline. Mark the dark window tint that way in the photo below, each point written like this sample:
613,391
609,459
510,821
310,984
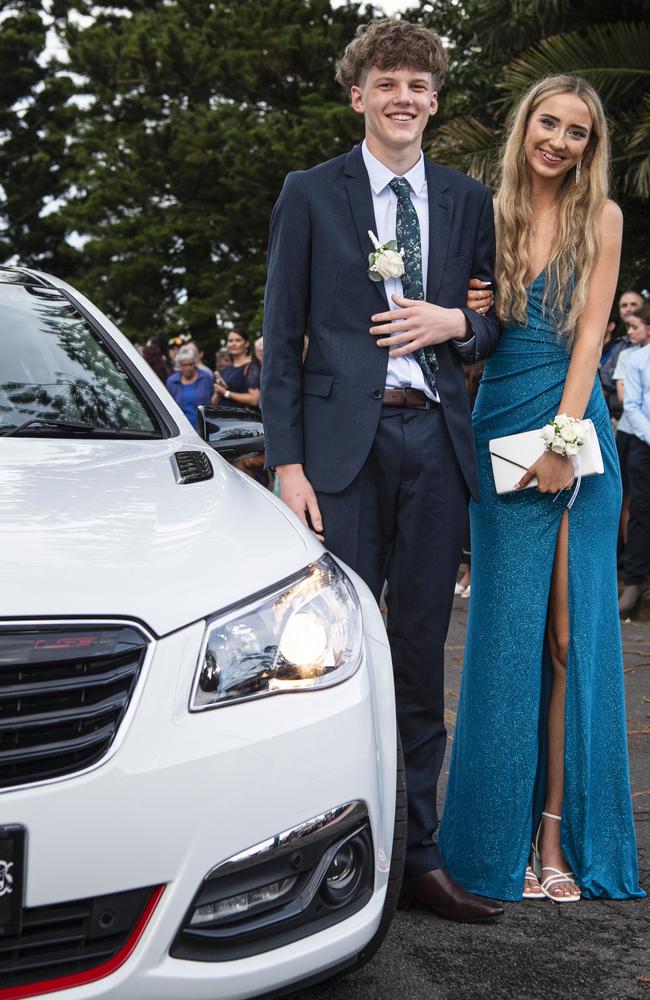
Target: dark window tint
54,367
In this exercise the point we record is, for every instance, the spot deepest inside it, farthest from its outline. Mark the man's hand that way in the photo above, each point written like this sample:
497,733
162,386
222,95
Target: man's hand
417,324
298,494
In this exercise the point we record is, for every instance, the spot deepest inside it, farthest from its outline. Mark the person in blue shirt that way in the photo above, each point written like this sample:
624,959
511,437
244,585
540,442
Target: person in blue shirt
636,564
638,335
628,302
190,386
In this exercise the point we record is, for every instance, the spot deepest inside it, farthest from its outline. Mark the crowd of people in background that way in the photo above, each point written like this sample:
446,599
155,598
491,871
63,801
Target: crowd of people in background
233,382
625,376
628,400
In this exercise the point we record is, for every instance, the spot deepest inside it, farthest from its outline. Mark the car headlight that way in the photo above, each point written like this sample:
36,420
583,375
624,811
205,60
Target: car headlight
301,636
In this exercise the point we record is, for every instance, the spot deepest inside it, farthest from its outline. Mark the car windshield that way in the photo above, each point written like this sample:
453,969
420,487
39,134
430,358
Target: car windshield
53,367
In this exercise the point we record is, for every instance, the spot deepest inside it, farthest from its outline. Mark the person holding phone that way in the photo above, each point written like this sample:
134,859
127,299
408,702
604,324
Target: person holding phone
238,383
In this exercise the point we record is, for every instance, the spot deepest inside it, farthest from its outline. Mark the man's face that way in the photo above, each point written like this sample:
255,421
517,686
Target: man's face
397,105
628,303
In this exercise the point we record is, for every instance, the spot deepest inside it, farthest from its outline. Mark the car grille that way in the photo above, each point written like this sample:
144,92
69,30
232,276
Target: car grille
83,940
63,694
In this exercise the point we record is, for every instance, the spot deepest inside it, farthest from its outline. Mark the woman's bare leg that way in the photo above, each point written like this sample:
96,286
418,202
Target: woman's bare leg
558,642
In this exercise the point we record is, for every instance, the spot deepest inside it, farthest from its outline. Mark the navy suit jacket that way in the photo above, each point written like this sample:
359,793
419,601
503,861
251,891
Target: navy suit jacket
324,413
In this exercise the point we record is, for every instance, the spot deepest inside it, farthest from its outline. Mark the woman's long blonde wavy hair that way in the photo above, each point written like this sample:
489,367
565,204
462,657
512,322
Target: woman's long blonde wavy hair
580,206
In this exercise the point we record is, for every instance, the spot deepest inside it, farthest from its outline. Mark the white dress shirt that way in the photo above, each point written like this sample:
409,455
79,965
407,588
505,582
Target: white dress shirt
404,371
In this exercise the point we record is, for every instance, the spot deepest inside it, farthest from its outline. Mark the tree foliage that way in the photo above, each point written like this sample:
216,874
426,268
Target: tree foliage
186,116
34,121
144,160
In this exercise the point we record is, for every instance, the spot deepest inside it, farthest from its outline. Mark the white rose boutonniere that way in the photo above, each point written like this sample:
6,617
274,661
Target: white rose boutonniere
385,261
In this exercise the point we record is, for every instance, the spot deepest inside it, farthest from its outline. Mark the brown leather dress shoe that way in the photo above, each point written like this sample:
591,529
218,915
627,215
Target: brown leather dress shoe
438,892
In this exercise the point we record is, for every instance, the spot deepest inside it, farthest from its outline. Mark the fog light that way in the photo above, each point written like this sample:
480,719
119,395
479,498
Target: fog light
242,903
344,873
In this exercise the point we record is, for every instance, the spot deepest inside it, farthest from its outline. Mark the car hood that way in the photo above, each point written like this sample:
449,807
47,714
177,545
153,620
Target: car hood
102,528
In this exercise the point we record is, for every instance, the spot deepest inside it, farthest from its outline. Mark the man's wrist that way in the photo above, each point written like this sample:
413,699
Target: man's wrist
293,469
465,331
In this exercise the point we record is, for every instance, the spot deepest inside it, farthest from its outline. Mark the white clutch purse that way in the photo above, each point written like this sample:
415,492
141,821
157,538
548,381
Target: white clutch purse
512,455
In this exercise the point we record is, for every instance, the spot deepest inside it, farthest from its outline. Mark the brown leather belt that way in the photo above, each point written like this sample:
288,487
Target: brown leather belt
413,398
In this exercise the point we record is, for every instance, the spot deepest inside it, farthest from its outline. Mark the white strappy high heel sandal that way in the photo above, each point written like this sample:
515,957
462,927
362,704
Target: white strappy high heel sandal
556,877
534,890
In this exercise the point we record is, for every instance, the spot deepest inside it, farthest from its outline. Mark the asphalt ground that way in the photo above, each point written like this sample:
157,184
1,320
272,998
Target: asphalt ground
538,950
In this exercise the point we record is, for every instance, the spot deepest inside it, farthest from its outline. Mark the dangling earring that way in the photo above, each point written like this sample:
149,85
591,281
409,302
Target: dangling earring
523,155
578,165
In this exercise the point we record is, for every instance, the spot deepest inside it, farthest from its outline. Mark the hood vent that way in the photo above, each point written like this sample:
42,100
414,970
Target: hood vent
192,466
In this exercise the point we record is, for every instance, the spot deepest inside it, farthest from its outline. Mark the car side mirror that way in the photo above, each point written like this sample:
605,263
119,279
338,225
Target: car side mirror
232,431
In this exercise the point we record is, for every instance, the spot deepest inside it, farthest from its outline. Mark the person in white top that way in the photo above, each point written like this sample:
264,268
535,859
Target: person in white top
638,333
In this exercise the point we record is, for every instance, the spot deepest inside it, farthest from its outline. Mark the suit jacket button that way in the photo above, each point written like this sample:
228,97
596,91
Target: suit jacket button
377,394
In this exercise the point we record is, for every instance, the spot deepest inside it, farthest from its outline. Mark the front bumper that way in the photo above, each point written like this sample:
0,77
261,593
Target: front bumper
182,793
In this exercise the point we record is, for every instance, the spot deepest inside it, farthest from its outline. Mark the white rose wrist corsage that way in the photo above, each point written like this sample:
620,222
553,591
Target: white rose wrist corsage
386,261
564,435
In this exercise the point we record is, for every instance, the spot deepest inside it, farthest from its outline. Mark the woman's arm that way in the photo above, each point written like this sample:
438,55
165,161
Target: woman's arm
250,398
554,472
593,322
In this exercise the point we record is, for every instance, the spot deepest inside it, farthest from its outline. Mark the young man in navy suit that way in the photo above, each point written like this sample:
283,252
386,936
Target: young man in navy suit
371,437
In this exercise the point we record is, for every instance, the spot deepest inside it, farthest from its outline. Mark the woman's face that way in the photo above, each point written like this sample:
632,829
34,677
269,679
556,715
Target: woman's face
637,331
557,135
188,368
236,344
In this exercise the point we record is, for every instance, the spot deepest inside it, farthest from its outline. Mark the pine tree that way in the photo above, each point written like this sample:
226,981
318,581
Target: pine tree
34,121
195,112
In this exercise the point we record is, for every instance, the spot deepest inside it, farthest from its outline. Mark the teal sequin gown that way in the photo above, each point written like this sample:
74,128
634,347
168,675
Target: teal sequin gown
497,777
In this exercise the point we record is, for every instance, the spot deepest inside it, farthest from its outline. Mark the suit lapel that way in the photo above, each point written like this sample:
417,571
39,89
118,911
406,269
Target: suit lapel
360,198
440,216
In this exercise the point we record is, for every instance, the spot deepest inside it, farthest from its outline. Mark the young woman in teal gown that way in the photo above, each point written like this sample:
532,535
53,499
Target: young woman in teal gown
539,750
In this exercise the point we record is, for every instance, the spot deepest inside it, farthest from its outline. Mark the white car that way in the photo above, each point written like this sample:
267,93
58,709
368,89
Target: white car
198,760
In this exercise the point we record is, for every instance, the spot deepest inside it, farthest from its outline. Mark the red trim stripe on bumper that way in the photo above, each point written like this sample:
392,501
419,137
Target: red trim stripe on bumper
90,975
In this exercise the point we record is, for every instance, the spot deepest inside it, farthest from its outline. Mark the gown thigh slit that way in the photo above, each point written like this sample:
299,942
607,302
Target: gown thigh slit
497,779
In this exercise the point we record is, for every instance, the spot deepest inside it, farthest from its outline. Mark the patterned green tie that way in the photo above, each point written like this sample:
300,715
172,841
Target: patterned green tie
408,239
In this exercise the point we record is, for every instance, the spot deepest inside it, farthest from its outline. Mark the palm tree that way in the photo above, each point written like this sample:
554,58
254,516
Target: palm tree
614,57
609,46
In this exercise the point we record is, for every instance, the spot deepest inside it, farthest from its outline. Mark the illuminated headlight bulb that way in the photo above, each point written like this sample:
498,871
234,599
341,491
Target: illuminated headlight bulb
304,640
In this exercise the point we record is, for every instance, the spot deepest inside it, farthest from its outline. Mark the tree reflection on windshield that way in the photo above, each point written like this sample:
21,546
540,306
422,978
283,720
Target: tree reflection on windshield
53,366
